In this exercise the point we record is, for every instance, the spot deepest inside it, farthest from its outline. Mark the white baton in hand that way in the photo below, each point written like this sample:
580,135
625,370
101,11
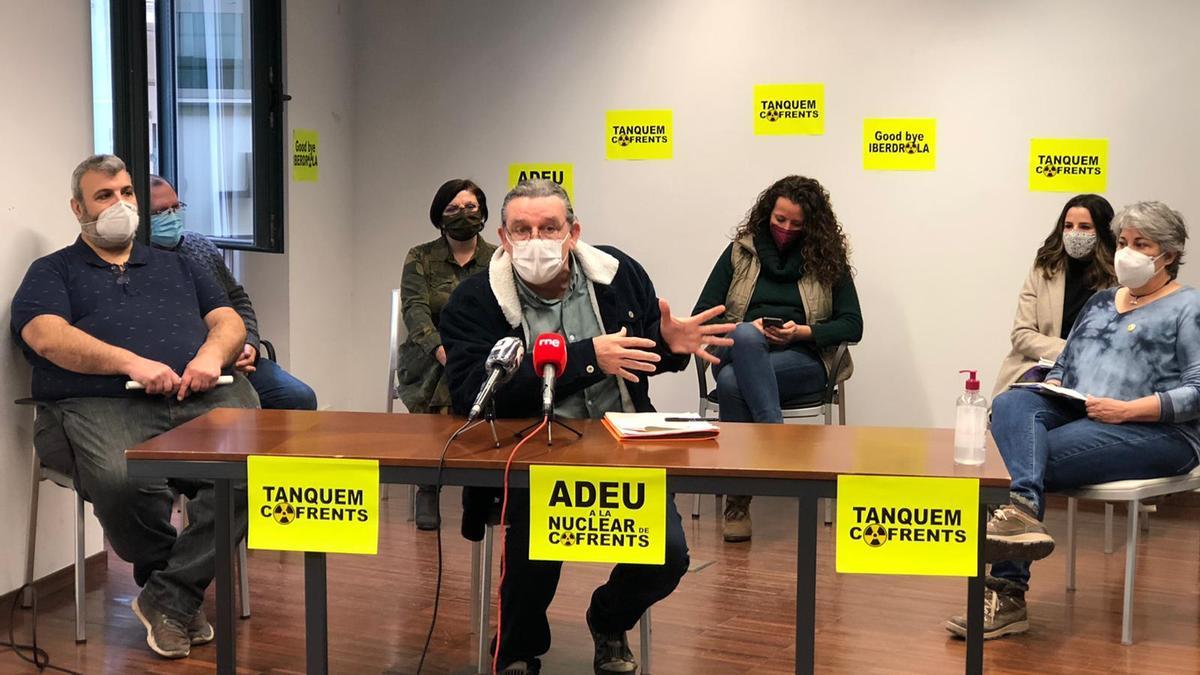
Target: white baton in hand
131,385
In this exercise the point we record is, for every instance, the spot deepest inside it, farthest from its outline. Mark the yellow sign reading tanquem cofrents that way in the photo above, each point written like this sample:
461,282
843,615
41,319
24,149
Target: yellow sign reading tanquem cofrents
1068,164
902,525
638,134
311,504
597,514
785,109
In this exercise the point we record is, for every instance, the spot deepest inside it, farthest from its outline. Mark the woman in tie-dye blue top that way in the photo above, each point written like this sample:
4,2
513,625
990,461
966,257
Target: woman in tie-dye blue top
1135,352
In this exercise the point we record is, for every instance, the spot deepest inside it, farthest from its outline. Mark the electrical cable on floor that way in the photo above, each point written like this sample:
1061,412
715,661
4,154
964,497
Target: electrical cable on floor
41,659
437,592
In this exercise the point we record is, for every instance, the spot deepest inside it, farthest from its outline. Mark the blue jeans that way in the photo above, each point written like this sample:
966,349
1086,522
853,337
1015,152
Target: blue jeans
1049,444
754,377
280,390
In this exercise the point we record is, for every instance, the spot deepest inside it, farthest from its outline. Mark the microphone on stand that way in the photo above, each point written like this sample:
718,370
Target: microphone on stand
550,358
502,363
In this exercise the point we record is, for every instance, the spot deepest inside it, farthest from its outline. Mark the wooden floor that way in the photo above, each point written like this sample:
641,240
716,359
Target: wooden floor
733,616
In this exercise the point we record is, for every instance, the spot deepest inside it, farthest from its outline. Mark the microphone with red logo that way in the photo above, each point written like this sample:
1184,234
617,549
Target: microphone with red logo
549,357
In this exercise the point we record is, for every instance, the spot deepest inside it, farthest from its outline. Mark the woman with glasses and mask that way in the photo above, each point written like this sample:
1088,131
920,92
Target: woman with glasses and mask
1135,354
786,281
431,273
1075,261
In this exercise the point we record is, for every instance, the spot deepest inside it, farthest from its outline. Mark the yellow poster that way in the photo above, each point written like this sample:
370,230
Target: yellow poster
563,174
895,525
786,109
305,147
899,144
1068,164
638,134
309,504
597,514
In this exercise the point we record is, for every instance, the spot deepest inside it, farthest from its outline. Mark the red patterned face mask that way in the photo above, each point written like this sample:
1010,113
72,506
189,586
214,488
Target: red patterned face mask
784,238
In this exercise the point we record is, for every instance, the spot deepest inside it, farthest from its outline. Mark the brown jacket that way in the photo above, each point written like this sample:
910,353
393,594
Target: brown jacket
1036,328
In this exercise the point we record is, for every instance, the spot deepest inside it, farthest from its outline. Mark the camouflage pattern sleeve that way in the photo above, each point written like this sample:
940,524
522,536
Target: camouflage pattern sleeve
415,303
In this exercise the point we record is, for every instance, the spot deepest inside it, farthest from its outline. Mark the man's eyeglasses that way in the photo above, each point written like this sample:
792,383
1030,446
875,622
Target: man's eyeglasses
178,208
549,231
454,209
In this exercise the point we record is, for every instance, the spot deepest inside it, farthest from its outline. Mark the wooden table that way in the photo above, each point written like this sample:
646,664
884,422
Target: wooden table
800,461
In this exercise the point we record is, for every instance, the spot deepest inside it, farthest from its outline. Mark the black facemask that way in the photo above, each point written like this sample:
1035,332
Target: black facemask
463,226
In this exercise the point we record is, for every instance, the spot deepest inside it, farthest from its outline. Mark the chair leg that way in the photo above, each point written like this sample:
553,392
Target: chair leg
1130,570
644,645
412,503
696,506
828,410
483,618
31,540
244,580
828,510
1108,527
476,555
841,398
80,581
1071,506
182,502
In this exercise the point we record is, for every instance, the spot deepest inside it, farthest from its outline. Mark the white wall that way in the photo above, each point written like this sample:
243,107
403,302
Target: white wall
462,89
304,298
48,130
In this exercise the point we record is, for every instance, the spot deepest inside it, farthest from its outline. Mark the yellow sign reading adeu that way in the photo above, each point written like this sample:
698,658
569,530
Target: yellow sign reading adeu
638,134
597,514
895,144
897,525
563,174
785,109
1068,164
310,504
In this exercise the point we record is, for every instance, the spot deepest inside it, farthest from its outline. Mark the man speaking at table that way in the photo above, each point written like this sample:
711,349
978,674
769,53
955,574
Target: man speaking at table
545,280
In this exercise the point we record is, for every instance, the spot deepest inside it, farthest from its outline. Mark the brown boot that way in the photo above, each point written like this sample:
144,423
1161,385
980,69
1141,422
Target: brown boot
737,518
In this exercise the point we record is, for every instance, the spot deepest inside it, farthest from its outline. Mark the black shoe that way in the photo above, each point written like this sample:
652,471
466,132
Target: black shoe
1003,614
612,652
427,515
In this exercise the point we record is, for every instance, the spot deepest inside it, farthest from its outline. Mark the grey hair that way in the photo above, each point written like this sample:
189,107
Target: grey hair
1160,224
109,165
538,187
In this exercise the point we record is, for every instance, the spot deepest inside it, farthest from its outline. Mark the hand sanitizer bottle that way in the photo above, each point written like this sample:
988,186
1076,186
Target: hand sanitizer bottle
970,424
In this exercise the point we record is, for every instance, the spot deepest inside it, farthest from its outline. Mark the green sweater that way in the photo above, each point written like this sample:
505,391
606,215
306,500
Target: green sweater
777,294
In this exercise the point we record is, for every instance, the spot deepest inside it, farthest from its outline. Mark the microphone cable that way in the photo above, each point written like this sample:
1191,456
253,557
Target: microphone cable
504,538
437,592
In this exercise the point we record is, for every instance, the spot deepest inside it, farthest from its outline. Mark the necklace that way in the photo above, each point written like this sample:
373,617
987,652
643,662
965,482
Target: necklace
1135,299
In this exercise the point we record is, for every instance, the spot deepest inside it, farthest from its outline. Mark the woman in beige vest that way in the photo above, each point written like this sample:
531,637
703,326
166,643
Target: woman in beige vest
1075,261
786,281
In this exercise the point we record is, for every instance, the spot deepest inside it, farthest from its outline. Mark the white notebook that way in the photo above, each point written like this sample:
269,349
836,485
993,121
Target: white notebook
1052,389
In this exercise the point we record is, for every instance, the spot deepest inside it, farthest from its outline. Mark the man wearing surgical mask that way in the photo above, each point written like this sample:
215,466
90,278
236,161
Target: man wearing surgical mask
618,333
95,315
277,388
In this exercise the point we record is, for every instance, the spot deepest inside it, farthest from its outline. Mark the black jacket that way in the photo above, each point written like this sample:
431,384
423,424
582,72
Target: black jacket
471,323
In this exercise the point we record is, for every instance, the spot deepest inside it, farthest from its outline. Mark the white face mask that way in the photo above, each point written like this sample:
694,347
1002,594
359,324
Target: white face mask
538,261
1134,269
114,228
1079,244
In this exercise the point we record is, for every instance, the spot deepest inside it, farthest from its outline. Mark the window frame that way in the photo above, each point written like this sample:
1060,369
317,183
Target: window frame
131,131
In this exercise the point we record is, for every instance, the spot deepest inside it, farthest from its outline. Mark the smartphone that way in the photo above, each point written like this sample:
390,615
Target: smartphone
772,322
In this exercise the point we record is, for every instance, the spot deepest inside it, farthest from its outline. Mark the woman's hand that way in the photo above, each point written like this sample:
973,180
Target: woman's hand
1108,410
787,333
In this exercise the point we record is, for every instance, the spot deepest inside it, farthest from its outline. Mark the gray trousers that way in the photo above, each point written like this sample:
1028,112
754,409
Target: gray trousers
174,568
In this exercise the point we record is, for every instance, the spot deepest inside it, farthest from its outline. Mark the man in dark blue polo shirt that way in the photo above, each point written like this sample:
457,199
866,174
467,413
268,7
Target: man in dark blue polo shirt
107,310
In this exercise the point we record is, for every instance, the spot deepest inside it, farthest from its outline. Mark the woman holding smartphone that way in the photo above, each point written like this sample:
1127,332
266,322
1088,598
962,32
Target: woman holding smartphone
786,281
